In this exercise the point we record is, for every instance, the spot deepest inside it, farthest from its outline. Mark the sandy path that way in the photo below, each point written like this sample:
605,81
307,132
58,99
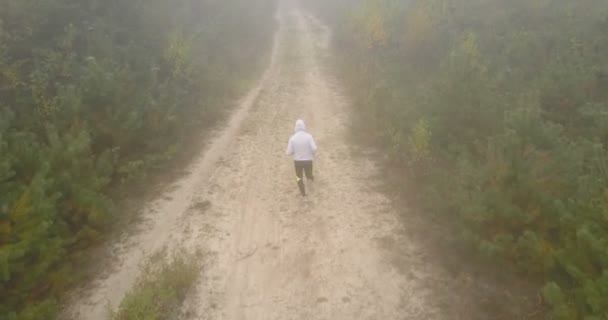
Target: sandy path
270,253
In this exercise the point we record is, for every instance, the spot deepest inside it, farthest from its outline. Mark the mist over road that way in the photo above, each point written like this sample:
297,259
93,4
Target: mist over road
270,254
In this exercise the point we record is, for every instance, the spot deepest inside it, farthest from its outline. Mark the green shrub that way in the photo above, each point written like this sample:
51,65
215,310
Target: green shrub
498,110
161,289
95,94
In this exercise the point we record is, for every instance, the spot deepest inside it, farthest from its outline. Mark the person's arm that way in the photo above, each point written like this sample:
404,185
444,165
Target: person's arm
313,145
289,148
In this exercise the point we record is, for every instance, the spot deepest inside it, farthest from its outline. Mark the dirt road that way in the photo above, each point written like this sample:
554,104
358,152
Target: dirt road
270,253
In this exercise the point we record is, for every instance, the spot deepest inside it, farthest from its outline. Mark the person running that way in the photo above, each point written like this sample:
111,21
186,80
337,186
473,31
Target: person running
302,148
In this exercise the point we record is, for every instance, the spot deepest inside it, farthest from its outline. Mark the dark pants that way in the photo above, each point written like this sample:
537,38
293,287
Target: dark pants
303,168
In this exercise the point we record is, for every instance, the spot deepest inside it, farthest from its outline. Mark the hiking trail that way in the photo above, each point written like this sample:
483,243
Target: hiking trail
269,253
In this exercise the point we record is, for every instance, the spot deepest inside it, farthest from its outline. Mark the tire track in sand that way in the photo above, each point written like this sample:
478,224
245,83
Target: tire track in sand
278,256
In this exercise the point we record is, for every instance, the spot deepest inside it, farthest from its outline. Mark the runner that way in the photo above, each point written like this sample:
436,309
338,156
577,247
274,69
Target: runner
302,148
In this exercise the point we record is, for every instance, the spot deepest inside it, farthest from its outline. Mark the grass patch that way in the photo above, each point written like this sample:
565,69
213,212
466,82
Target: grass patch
161,289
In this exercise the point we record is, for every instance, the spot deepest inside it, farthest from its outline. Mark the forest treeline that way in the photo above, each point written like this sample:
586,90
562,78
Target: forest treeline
498,112
95,94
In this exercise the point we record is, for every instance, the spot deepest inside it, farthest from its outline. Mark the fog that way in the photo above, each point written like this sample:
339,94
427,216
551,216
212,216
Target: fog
454,162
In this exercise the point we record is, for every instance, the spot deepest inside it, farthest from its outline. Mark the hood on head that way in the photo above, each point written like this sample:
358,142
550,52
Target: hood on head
300,126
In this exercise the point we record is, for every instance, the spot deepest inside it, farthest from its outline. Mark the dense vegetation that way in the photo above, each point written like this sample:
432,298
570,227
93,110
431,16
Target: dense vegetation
95,93
498,111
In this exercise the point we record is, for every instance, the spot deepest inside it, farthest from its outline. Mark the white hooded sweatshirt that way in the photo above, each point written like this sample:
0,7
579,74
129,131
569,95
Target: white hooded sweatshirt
301,145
